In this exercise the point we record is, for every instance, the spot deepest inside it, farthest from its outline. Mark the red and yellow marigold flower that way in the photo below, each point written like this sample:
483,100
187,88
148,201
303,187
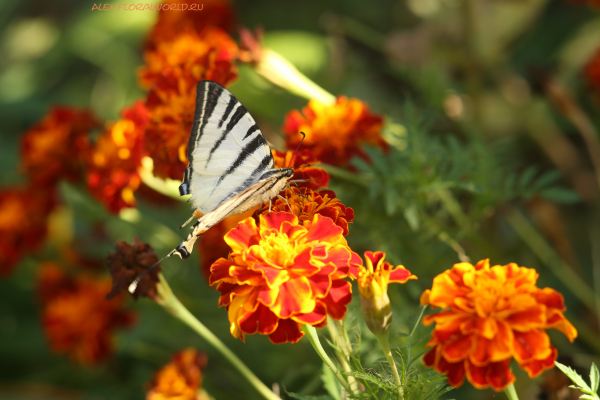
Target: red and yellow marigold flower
55,147
305,203
281,275
115,158
334,133
181,379
304,168
493,314
76,318
174,19
172,71
373,280
24,215
592,72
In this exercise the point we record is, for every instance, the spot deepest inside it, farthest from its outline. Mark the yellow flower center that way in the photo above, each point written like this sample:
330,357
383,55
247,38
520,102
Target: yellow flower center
277,249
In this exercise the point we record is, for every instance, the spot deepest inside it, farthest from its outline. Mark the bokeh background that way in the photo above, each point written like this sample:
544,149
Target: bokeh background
492,115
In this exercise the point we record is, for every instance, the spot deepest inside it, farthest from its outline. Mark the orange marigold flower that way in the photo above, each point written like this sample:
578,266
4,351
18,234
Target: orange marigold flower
305,203
172,72
334,133
173,18
113,162
592,72
494,314
76,318
56,146
373,280
127,263
23,222
191,56
316,177
281,275
181,379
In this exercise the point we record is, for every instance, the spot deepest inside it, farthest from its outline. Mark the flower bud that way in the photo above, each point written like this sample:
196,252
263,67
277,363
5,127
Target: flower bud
372,286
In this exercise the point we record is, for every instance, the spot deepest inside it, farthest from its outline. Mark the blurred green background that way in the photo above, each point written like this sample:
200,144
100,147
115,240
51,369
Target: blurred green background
479,164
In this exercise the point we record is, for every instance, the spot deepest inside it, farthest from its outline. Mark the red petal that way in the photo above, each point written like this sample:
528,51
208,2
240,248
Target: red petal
294,297
456,374
322,229
275,220
245,235
499,375
338,298
320,283
528,319
429,357
287,331
527,346
262,320
220,270
401,275
314,318
476,375
551,299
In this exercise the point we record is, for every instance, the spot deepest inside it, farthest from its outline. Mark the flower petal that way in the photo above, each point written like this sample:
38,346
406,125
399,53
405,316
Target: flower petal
287,330
499,375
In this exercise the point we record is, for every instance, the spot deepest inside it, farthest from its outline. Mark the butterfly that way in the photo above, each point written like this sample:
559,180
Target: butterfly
231,168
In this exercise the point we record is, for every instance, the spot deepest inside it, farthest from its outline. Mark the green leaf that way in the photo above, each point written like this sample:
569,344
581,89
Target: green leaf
560,195
546,179
331,383
411,213
594,378
588,397
391,200
527,176
574,376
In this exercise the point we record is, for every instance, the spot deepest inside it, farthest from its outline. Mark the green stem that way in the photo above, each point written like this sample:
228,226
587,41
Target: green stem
174,306
511,393
341,350
311,333
544,251
384,343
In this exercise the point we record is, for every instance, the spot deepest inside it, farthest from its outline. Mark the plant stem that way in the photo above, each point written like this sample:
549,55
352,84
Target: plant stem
341,350
172,304
311,333
511,393
384,343
544,251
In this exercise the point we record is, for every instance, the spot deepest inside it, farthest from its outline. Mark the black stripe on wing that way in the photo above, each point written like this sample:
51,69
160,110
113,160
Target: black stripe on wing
237,116
248,151
207,96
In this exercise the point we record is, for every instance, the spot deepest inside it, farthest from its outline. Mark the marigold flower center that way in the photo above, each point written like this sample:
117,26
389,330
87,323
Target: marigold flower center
277,248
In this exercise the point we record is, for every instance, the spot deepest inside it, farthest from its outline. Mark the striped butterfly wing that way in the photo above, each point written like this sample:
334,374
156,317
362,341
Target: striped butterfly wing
227,152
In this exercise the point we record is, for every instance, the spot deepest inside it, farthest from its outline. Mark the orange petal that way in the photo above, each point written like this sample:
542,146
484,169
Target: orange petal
339,296
245,235
500,347
401,275
294,297
486,327
558,321
322,229
551,299
275,220
531,318
424,300
536,367
262,320
534,344
457,349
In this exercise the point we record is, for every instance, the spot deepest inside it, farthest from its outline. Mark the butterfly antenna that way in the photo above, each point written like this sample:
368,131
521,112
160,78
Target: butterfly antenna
300,191
137,280
295,151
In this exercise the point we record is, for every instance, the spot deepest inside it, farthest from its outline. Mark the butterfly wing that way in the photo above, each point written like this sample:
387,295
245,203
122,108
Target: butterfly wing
227,152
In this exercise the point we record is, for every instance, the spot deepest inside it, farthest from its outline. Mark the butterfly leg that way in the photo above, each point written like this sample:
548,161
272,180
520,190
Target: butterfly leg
196,214
270,203
286,202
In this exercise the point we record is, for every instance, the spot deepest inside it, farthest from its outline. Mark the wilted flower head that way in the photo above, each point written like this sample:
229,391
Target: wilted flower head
55,147
304,168
494,314
181,379
305,203
76,318
281,275
334,133
115,158
174,19
24,215
373,280
127,263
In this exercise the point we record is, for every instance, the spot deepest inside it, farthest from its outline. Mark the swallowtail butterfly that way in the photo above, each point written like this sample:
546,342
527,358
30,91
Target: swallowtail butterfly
230,170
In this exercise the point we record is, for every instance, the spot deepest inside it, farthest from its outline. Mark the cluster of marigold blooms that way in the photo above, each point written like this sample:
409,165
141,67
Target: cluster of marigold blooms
275,271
